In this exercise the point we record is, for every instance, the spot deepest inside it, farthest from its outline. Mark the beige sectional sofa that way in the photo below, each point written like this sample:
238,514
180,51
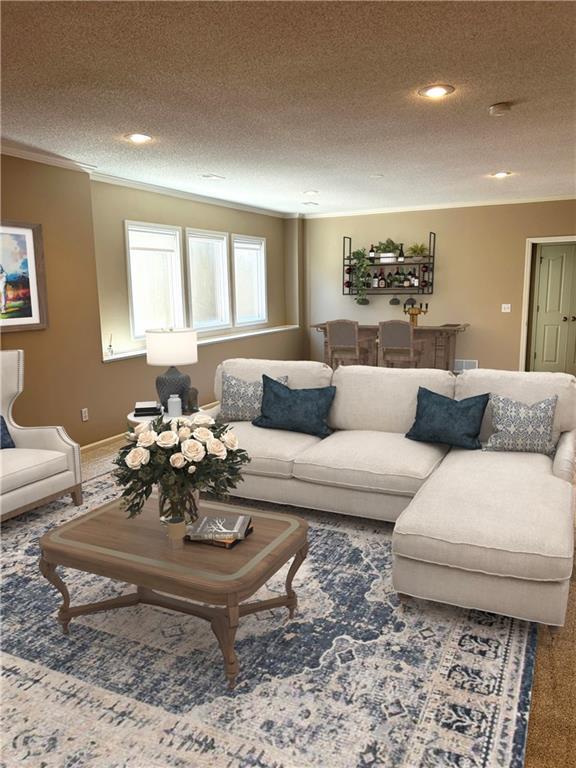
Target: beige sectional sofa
479,529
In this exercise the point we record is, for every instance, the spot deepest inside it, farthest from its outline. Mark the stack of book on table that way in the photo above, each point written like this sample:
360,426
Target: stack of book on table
220,530
148,408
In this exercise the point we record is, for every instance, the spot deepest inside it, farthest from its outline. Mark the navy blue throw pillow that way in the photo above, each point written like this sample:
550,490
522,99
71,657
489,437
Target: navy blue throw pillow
296,410
6,437
439,419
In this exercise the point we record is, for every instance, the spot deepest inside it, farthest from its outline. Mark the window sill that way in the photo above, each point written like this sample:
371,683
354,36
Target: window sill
206,341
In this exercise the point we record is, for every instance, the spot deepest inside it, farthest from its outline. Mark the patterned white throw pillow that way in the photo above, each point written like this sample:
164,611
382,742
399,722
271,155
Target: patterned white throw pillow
242,400
521,427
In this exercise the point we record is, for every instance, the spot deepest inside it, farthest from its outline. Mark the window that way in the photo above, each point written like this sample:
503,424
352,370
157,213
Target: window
154,277
249,279
209,279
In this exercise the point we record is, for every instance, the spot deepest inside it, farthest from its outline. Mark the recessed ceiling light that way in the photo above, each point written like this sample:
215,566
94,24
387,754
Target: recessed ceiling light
376,176
138,138
309,202
311,192
501,174
437,91
212,176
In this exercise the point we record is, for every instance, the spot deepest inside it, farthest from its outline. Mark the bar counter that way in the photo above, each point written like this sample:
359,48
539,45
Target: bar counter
437,343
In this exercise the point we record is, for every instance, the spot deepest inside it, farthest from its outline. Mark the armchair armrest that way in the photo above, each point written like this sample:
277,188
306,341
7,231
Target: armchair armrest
49,439
565,459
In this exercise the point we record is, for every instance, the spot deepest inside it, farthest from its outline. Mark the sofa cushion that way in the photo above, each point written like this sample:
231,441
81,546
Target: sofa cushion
295,410
22,466
503,514
528,387
441,419
242,400
382,399
5,436
272,452
522,426
382,462
301,373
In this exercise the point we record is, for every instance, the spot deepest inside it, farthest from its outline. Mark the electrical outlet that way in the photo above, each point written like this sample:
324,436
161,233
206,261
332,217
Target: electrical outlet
84,414
506,307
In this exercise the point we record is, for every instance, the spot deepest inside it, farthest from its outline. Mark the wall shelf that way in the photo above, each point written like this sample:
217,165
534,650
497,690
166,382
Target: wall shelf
419,268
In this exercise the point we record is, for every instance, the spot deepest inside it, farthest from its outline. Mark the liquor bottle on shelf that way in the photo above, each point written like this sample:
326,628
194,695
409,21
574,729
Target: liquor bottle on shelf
347,284
349,270
389,280
407,280
371,254
397,280
416,281
401,253
375,281
381,279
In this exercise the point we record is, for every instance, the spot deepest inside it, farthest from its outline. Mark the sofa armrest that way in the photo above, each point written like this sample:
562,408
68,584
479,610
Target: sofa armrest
565,459
49,439
211,410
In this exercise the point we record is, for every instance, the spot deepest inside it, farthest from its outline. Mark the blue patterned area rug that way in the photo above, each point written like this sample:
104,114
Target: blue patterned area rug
356,680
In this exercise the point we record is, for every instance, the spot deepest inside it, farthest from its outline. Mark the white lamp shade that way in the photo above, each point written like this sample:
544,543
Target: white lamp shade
172,347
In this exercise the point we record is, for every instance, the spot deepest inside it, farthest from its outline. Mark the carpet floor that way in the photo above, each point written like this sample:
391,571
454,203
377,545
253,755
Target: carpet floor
355,680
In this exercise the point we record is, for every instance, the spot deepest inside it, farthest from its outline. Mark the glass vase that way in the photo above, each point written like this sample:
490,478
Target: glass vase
177,511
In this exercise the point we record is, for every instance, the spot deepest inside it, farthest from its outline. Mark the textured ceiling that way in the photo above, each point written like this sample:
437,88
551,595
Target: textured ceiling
281,97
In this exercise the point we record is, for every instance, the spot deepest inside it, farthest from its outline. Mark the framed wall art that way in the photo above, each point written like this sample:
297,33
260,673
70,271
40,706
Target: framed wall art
22,278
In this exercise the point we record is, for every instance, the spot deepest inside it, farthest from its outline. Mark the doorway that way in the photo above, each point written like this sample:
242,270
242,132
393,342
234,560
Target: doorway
552,308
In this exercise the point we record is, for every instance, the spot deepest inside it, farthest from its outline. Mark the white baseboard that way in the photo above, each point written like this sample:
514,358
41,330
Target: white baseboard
100,443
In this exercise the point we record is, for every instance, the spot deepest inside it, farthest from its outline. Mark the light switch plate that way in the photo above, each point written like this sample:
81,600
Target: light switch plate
506,307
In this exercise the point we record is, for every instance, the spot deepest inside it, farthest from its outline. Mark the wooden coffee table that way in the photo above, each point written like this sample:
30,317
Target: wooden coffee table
107,543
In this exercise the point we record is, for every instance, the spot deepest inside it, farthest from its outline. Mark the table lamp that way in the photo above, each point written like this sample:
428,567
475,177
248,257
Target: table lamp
172,347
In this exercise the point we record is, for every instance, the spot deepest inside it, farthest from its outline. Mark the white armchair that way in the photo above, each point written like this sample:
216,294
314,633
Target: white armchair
45,463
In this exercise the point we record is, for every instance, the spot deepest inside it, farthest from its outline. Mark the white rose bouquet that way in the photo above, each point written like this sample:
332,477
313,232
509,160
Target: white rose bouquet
182,457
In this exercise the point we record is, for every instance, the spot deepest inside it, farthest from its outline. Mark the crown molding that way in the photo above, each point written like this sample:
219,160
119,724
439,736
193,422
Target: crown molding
439,207
73,165
41,157
171,192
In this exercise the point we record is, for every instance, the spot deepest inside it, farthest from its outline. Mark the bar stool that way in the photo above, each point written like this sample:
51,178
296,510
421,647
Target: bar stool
396,345
342,343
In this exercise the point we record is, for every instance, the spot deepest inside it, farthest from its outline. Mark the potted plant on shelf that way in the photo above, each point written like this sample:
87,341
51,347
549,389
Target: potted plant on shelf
418,250
180,458
360,276
388,251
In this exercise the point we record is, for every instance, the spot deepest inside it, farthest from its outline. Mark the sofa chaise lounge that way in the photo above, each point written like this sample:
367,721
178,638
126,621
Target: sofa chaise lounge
478,529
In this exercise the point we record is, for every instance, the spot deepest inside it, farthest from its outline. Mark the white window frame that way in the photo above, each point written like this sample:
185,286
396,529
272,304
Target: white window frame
178,288
264,299
226,287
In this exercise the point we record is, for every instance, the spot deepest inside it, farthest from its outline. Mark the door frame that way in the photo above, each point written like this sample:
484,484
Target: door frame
530,242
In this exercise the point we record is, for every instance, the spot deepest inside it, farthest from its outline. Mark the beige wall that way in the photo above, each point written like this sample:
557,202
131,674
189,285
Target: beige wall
479,266
64,371
113,204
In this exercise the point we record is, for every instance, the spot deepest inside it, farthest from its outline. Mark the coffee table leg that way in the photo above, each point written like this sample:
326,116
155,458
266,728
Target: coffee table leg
48,570
299,558
224,625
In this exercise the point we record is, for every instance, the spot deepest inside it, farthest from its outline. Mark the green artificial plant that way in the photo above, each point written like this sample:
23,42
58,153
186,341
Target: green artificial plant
389,246
361,275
